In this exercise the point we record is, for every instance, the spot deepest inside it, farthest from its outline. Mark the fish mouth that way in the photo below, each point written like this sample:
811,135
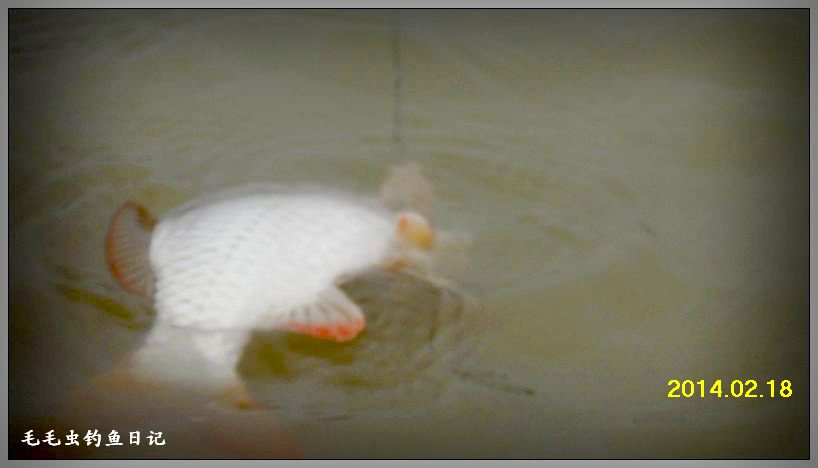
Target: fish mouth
415,231
423,239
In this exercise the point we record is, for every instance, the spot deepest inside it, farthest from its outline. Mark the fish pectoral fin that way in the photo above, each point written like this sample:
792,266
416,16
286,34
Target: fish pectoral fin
332,316
127,246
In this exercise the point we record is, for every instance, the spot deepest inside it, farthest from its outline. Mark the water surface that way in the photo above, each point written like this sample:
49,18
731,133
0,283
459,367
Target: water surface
634,186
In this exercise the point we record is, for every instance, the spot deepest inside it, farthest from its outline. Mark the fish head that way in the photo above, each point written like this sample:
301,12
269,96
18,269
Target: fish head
414,230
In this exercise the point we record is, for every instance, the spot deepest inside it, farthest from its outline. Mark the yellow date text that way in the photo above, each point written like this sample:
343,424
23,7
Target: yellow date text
729,389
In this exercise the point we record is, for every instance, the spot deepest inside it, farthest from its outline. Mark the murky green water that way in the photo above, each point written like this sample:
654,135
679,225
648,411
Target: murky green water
634,186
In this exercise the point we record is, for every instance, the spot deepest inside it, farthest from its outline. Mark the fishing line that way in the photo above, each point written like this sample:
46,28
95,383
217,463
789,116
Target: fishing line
397,89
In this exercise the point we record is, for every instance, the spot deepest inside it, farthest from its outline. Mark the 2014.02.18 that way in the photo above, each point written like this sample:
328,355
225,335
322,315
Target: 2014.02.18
738,389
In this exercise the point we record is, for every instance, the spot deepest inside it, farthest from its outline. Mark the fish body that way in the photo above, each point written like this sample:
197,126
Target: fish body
259,257
246,261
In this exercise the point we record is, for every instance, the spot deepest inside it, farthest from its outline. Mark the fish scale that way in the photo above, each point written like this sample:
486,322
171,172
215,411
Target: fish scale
242,249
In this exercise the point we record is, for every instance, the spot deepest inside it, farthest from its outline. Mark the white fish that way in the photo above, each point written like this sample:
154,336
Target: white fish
262,257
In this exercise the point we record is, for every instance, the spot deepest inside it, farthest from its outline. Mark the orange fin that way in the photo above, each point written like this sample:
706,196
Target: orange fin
333,316
126,248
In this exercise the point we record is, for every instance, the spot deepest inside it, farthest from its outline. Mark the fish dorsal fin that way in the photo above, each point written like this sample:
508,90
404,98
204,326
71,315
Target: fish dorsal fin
127,246
332,316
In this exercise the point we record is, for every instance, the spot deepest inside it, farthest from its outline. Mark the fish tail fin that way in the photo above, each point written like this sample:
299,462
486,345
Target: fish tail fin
126,248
